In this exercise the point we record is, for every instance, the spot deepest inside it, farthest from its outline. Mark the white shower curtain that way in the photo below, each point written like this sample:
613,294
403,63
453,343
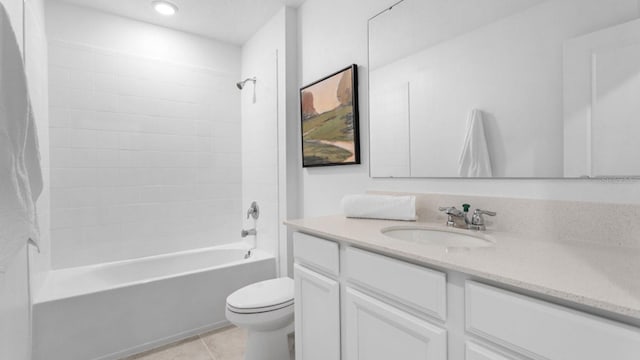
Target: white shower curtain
20,172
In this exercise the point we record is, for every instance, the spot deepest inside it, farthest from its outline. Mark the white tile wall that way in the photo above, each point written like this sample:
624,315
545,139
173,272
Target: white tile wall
145,156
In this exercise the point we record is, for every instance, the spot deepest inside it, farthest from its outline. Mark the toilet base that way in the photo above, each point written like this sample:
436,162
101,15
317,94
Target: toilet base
268,345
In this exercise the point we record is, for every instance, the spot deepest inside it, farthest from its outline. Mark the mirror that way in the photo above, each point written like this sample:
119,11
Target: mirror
505,88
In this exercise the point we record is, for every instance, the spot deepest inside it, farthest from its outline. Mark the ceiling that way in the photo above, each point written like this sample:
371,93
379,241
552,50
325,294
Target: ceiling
233,21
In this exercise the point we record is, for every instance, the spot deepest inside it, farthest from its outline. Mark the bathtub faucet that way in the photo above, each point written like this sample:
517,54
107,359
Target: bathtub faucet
245,233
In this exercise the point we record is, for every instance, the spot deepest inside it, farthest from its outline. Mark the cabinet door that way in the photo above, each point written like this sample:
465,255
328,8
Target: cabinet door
317,314
378,331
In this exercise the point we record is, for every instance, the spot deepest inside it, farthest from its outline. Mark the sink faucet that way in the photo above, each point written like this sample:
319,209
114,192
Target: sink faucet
459,219
456,218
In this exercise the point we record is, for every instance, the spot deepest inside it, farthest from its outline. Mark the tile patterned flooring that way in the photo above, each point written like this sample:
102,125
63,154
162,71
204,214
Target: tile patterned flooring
223,344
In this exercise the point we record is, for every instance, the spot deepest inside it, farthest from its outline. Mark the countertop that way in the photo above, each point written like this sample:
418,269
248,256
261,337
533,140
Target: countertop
595,275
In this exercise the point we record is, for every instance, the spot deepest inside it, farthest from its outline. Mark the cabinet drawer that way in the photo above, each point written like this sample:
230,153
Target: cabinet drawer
316,253
542,330
414,286
474,351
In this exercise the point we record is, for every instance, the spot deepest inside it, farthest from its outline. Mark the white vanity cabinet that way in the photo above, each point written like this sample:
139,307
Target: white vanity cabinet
354,304
359,311
385,318
541,330
317,298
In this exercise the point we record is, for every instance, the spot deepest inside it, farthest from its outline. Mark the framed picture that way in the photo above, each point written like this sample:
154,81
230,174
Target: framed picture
329,113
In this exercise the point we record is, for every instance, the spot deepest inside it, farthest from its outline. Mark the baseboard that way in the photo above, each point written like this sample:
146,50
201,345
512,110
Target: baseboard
164,341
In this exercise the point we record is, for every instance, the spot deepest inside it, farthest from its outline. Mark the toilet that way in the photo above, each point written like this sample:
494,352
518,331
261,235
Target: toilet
265,309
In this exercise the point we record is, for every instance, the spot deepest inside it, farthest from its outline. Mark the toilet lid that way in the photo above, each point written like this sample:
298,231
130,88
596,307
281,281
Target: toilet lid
262,296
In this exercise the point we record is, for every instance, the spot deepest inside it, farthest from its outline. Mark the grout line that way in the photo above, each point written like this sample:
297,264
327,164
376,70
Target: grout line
207,347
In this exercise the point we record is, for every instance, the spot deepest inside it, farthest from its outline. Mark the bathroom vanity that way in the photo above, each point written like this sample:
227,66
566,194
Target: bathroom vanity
361,294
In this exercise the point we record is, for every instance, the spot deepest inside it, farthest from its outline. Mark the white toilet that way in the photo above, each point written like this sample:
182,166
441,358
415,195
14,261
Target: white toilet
265,309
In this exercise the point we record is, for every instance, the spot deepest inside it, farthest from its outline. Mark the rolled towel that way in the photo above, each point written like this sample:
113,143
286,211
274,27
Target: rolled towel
384,207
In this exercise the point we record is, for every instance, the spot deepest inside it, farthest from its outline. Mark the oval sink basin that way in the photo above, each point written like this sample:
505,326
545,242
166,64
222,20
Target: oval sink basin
438,237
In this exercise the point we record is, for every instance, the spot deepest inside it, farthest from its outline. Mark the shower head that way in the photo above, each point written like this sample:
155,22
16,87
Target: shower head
240,84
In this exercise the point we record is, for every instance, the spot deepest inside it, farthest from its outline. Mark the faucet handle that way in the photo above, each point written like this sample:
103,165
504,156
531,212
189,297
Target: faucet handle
477,221
484,212
254,211
453,214
451,210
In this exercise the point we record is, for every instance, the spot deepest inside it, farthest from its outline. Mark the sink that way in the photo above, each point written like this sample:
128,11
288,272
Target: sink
450,239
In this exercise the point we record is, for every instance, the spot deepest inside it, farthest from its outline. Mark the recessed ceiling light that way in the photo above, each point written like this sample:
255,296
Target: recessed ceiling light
164,7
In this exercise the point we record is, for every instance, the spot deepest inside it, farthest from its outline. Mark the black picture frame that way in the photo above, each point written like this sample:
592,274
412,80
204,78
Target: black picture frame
331,134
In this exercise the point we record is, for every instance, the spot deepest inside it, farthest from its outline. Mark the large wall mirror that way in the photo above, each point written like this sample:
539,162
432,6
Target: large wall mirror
505,88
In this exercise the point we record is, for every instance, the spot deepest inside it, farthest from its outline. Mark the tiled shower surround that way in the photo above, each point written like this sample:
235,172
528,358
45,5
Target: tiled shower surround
145,156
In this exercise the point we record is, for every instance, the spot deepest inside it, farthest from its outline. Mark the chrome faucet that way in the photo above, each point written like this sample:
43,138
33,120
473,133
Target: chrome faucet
459,218
253,212
245,233
456,218
477,221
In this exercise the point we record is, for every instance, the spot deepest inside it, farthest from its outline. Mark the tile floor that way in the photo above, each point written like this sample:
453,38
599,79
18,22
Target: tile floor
223,344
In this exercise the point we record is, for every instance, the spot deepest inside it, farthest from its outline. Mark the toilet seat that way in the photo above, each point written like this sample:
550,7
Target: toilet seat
260,309
264,296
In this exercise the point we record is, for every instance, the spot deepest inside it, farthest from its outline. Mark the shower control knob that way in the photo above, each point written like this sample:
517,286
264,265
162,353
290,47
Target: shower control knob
254,211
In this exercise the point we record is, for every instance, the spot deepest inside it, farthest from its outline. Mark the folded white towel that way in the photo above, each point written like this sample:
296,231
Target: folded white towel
380,207
20,172
475,160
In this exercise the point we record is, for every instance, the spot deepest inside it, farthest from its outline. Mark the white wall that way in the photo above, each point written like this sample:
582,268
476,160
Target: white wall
332,34
84,26
267,125
145,138
15,300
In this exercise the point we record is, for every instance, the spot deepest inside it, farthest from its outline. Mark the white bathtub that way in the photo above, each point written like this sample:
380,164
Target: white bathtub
112,310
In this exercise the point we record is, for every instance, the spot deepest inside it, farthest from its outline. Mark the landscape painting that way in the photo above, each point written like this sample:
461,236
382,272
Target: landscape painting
329,109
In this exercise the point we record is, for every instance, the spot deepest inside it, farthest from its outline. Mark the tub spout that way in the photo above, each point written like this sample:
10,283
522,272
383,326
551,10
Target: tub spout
245,233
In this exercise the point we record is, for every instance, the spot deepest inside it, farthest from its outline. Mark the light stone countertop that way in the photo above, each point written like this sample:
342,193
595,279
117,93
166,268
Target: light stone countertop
599,276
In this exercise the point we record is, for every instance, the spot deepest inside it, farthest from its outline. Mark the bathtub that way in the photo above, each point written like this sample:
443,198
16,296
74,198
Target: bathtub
112,310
